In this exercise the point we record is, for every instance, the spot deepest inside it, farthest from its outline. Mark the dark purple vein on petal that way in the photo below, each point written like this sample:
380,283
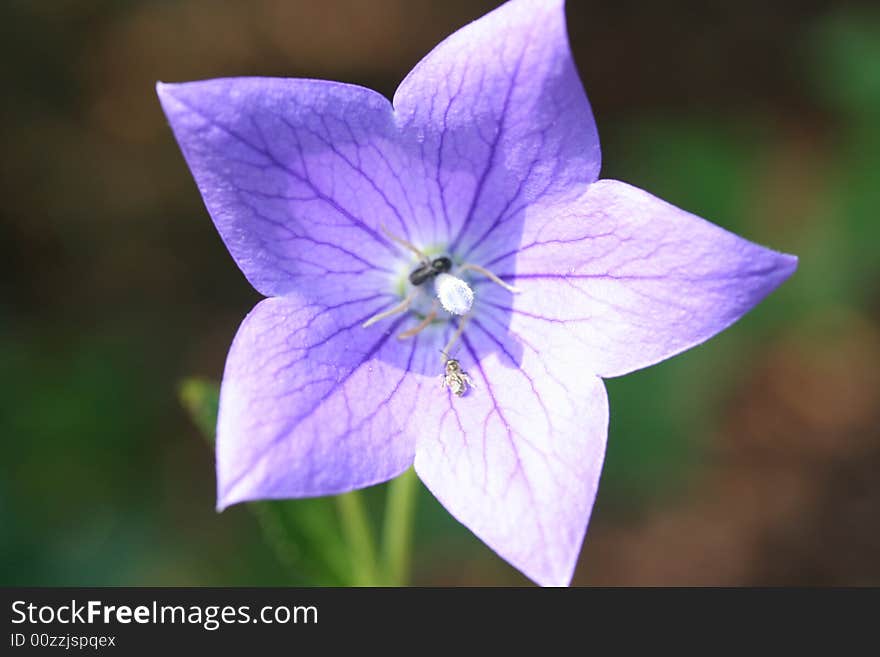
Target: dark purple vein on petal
493,150
358,223
510,437
294,422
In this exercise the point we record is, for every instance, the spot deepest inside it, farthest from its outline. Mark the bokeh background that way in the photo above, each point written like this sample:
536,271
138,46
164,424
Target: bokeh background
752,459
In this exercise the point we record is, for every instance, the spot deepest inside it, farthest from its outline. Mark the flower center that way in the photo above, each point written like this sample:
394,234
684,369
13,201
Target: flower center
453,293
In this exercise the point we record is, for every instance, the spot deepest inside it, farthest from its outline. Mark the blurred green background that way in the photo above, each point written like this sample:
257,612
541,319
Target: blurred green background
753,459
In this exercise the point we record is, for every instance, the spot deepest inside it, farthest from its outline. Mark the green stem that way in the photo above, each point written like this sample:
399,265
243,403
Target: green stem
276,536
356,529
397,533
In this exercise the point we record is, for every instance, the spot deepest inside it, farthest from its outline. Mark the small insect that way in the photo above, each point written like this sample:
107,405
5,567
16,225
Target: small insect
455,378
429,269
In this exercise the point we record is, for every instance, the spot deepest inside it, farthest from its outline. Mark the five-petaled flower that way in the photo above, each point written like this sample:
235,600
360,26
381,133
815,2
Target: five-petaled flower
478,187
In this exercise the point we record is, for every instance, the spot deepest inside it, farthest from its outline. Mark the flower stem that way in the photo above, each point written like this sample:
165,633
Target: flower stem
397,533
356,529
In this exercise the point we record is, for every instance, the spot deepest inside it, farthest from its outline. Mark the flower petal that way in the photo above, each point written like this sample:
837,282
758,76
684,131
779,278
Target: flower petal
298,175
632,279
518,458
501,121
312,404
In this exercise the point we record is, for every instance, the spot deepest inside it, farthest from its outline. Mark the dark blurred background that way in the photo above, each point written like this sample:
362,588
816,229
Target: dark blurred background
753,459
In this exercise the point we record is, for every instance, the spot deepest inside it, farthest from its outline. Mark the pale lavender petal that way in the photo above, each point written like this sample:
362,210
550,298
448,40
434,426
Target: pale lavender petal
298,175
630,278
312,404
500,121
518,458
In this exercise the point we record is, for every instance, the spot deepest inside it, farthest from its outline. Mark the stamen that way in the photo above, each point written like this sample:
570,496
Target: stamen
402,242
455,336
421,326
492,277
399,308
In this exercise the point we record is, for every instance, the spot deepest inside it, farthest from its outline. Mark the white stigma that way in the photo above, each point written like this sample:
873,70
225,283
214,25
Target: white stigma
455,295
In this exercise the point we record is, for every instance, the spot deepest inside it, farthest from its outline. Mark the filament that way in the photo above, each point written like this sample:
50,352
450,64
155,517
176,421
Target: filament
492,277
455,336
421,326
399,308
402,242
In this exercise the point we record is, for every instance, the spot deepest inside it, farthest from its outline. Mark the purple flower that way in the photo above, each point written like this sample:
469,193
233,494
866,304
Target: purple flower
464,218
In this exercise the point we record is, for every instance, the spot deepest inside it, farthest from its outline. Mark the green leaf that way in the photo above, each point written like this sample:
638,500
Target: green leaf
201,399
845,61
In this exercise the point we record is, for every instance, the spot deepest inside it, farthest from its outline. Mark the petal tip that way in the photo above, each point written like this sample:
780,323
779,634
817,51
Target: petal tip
784,268
162,88
559,578
165,92
226,500
229,493
222,503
